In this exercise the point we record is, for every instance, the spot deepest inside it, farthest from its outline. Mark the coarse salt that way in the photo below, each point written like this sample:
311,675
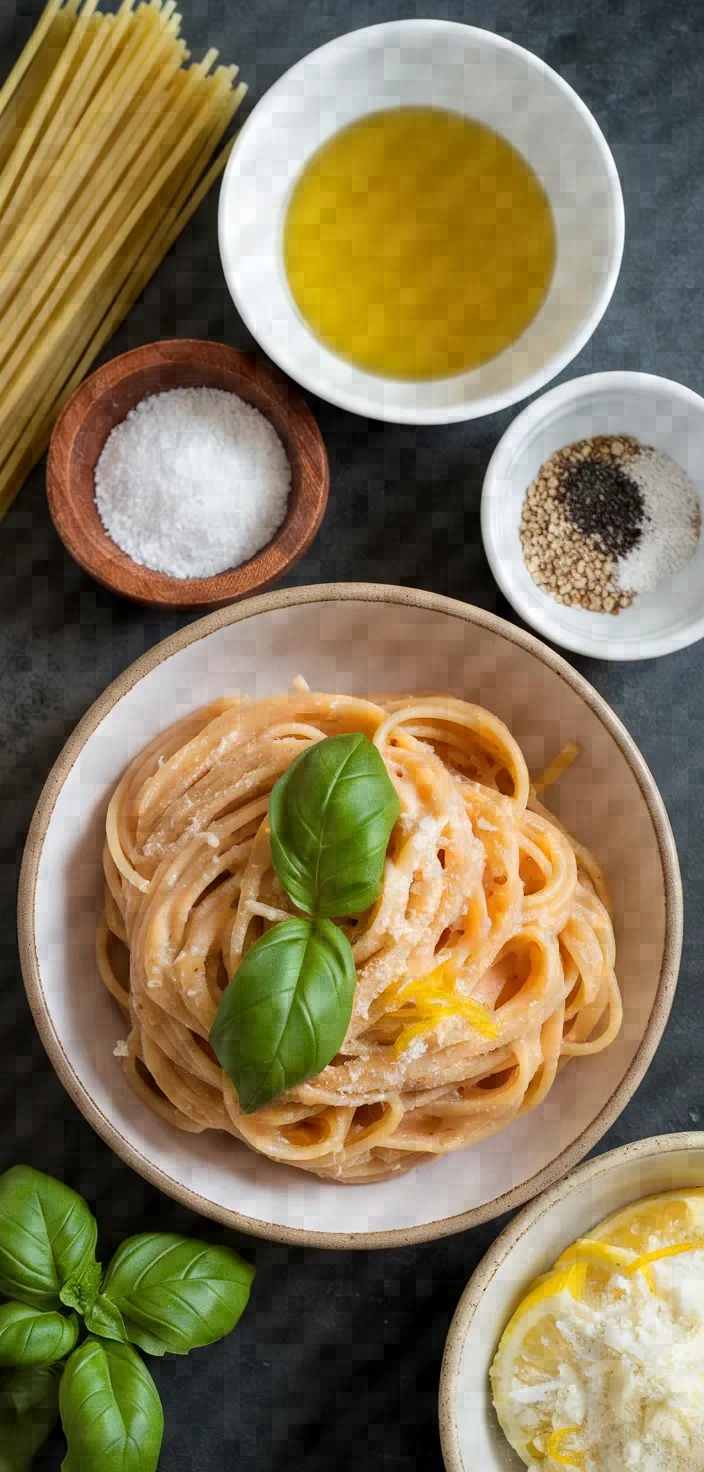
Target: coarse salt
194,481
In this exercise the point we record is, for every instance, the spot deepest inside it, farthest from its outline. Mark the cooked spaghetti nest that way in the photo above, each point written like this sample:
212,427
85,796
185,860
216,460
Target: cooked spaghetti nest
487,961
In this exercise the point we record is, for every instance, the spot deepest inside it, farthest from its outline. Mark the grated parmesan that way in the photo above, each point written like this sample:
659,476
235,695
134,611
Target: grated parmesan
633,1382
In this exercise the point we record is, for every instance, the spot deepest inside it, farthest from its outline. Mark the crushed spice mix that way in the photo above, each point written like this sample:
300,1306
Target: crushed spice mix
605,519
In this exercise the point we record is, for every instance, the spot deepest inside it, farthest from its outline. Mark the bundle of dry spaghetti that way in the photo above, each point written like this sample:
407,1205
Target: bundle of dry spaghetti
487,961
108,143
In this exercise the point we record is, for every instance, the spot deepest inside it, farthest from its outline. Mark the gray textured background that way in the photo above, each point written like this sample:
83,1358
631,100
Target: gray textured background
336,1362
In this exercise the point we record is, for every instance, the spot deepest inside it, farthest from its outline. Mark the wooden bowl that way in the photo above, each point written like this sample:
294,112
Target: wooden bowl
104,400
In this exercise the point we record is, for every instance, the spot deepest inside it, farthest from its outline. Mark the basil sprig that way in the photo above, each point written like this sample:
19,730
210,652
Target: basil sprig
331,816
285,1014
165,1293
287,1008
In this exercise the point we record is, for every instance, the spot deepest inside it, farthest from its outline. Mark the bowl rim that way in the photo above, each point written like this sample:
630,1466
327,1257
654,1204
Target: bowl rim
218,589
501,1249
366,593
575,391
357,402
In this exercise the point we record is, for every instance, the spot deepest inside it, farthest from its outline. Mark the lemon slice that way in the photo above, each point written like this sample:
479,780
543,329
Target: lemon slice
602,1263
596,1254
657,1221
530,1353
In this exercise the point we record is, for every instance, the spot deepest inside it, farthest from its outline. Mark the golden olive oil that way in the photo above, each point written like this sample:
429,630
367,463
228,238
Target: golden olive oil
418,243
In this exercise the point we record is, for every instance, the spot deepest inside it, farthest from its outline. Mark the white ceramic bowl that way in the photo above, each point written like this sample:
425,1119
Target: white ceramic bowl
350,637
472,1440
658,412
444,64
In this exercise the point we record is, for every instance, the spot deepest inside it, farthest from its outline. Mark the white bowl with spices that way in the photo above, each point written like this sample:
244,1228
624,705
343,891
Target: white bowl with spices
470,74
665,417
529,1246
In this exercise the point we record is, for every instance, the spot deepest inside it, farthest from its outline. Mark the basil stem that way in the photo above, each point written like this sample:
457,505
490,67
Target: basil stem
286,1011
82,1288
175,1294
331,816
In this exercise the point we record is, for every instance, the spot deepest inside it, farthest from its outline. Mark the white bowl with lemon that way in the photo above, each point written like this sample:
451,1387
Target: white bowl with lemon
421,222
578,1340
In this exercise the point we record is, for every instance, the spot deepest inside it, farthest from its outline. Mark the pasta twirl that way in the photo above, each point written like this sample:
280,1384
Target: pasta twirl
487,961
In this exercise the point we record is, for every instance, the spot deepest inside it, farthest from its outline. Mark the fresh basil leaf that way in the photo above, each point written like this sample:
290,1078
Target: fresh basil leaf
110,1410
29,1407
28,1336
331,816
286,1010
175,1294
105,1319
47,1235
81,1290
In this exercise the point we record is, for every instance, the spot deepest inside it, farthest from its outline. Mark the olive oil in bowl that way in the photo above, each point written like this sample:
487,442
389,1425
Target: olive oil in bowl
418,243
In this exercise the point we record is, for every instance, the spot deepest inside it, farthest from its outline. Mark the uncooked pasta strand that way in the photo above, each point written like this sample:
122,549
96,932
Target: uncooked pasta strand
99,328
106,144
81,273
30,198
59,81
29,54
73,154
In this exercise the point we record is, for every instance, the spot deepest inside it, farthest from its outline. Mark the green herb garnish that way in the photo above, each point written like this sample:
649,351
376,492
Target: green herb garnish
162,1292
110,1410
331,816
47,1237
29,1336
175,1295
286,1010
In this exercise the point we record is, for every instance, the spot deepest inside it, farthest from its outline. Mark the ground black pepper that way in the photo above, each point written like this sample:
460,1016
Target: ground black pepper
603,502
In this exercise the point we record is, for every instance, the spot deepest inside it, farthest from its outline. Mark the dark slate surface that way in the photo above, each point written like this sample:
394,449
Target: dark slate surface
337,1361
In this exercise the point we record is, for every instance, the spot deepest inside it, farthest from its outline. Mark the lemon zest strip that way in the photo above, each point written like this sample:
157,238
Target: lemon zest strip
642,1263
556,768
433,1002
554,1442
